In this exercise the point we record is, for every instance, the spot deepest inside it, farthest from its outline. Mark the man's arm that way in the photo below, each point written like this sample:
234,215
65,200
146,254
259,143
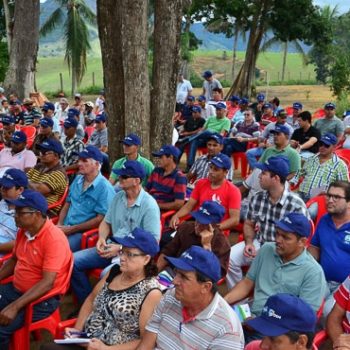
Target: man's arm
8,268
104,149
175,205
306,145
161,263
249,235
232,221
44,189
334,322
63,213
240,291
314,251
186,209
7,247
8,314
84,226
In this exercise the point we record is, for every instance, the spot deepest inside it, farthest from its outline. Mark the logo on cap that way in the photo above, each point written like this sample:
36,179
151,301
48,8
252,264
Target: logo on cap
186,255
271,313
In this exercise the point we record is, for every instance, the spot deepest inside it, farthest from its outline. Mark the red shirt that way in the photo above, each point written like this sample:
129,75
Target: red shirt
228,195
342,298
47,251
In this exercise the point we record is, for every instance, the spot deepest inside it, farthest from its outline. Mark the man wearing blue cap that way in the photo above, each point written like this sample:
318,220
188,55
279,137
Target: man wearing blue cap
283,266
17,156
330,123
13,183
286,323
49,177
203,232
131,146
243,106
45,133
322,169
99,137
293,120
264,208
193,311
183,90
88,198
131,207
207,110
75,114
48,110
267,114
232,106
9,127
40,263
31,115
209,84
167,183
72,145
257,106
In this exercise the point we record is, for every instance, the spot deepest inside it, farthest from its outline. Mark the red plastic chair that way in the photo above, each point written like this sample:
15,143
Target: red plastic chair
321,202
319,339
21,338
62,326
289,110
59,203
240,158
88,131
319,113
30,131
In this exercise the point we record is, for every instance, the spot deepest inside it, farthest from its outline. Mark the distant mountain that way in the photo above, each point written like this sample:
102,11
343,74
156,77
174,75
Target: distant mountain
53,44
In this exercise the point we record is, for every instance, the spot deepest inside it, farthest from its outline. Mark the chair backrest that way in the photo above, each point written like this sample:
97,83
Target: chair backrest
60,201
321,206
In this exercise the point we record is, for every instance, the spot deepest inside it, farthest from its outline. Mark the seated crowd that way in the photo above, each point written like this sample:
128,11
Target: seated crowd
161,239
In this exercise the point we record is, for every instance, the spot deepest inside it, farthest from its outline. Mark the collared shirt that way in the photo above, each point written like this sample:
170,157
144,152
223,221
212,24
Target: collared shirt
342,298
317,175
21,160
249,129
71,149
334,246
267,135
264,213
167,188
29,116
148,165
304,136
99,138
302,277
217,124
87,204
334,125
216,327
47,251
208,111
144,213
182,90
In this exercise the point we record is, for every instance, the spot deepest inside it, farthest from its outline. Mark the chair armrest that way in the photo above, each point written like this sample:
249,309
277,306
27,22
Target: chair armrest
89,238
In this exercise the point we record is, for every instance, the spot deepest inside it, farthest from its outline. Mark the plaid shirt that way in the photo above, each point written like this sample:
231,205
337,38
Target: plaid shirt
318,175
264,213
71,148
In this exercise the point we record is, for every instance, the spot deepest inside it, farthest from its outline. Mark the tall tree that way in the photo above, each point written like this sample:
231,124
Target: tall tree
77,16
123,35
167,29
20,75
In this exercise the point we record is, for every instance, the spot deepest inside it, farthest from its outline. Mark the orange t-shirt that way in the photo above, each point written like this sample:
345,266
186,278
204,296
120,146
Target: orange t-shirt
48,251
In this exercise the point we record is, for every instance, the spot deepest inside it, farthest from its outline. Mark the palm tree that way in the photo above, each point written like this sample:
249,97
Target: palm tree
76,34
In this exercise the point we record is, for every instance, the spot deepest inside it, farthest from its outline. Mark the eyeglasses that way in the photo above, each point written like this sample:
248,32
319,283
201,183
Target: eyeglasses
18,213
130,255
321,144
246,114
335,197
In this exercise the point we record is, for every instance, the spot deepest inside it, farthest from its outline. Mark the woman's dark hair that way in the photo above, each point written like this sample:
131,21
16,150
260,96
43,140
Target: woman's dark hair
294,337
151,269
202,279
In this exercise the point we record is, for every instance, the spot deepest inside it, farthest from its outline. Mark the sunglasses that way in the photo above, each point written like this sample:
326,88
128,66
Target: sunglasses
321,144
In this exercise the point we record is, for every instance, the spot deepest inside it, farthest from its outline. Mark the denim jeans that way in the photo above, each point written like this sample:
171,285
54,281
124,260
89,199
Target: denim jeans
252,154
8,294
85,260
232,145
75,241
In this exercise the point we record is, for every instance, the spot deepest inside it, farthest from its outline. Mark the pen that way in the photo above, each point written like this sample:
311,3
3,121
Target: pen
81,334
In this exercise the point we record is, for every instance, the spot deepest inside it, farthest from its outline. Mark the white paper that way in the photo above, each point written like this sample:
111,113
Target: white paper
72,341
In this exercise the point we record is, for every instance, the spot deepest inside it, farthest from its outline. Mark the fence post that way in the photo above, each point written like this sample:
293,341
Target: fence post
61,81
93,78
266,77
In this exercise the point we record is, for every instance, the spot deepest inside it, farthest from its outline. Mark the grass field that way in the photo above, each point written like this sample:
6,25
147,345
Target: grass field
271,62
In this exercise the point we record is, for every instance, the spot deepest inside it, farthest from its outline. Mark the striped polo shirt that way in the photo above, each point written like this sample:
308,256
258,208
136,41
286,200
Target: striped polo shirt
167,188
216,327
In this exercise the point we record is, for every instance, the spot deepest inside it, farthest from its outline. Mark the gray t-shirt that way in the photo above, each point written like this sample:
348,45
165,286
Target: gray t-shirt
208,86
99,138
333,126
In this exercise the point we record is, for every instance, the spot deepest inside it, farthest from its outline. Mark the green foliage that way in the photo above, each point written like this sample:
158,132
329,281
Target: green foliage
4,60
343,104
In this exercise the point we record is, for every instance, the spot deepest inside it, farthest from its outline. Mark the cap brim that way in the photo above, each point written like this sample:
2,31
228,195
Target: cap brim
284,226
6,183
219,165
179,264
17,203
266,328
261,166
128,143
123,241
157,154
326,143
202,219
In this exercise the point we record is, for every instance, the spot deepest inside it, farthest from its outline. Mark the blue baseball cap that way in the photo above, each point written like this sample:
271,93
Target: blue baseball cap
283,313
267,105
31,199
190,98
19,137
220,105
52,145
216,137
346,113
198,259
46,122
167,150
234,98
141,239
221,161
329,105
260,97
295,223
72,113
48,106
297,105
243,101
281,113
196,109
70,123
280,128
91,151
131,139
14,177
100,118
131,168
207,74
278,165
8,119
210,212
329,139
201,98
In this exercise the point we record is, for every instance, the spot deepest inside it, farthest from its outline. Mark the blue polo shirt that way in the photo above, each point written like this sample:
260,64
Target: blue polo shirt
334,245
144,213
86,204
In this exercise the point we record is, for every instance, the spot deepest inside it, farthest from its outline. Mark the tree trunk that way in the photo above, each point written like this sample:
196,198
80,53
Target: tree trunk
285,53
234,52
8,24
124,46
74,79
185,62
167,30
242,84
24,48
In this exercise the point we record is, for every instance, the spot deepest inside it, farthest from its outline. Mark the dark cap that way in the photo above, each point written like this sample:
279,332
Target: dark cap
31,199
131,168
278,165
210,212
52,145
168,150
19,137
92,152
14,177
